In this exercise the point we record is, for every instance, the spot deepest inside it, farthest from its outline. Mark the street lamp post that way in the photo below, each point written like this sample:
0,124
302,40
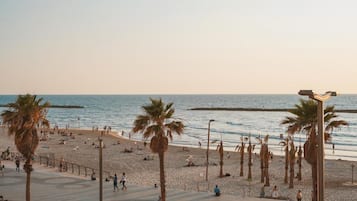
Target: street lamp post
101,167
321,137
209,128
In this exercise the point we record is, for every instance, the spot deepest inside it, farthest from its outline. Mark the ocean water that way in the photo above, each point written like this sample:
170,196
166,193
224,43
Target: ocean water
120,111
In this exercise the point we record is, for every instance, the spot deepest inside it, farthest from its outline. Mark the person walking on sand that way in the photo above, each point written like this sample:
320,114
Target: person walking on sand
115,182
122,181
299,195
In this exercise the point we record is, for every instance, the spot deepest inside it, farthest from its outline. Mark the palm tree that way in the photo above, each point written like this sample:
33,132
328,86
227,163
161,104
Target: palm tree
285,145
250,149
240,149
299,162
24,118
155,123
292,153
265,155
221,152
305,119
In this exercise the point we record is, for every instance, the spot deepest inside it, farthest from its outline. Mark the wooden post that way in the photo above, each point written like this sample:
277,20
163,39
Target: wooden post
72,168
85,171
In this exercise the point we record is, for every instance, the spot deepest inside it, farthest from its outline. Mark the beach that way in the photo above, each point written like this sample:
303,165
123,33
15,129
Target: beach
81,147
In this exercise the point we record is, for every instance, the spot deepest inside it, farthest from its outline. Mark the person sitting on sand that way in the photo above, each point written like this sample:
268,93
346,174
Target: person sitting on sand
93,178
299,195
217,191
262,192
275,193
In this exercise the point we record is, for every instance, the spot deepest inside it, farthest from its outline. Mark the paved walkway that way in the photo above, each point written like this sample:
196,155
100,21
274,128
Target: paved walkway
48,185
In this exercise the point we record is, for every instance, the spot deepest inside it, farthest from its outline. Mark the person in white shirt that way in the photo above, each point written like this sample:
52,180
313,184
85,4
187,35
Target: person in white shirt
275,193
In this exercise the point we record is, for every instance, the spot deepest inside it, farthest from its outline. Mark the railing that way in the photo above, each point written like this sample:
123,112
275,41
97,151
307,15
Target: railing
66,166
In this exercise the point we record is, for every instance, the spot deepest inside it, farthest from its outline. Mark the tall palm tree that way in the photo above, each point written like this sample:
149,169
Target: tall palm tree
265,155
305,119
240,149
299,162
157,124
250,149
221,153
24,118
292,153
285,145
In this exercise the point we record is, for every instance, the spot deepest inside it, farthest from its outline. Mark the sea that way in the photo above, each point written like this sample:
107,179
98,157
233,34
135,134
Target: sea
120,111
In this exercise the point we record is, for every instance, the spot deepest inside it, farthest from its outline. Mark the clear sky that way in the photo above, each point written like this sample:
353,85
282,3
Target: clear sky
177,47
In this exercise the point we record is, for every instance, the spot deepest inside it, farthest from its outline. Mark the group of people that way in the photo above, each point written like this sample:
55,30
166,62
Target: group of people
275,193
115,181
122,182
17,163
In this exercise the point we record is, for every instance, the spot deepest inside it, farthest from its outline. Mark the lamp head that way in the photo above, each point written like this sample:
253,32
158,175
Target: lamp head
332,93
306,93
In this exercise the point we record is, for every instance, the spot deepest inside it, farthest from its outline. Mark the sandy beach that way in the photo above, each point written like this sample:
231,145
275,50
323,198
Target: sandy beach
81,149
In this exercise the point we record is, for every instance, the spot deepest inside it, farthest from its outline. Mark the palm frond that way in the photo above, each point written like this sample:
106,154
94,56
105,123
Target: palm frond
154,122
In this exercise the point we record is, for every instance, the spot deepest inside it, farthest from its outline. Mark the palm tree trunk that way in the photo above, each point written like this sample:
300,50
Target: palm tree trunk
221,168
221,153
291,184
262,158
267,181
310,155
300,158
314,181
266,165
162,176
286,164
292,164
28,170
241,160
250,161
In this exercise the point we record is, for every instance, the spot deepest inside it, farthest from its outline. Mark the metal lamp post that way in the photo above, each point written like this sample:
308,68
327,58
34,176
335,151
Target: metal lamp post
321,139
209,128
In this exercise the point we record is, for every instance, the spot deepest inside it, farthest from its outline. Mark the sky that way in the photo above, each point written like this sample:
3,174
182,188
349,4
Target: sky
177,47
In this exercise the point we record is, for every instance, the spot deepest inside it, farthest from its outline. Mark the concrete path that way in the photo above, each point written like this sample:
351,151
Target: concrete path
48,185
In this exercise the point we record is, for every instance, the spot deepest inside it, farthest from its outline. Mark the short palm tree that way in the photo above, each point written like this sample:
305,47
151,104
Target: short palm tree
156,123
305,119
24,118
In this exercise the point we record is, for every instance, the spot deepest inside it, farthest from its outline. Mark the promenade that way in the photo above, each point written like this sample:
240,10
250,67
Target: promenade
49,185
